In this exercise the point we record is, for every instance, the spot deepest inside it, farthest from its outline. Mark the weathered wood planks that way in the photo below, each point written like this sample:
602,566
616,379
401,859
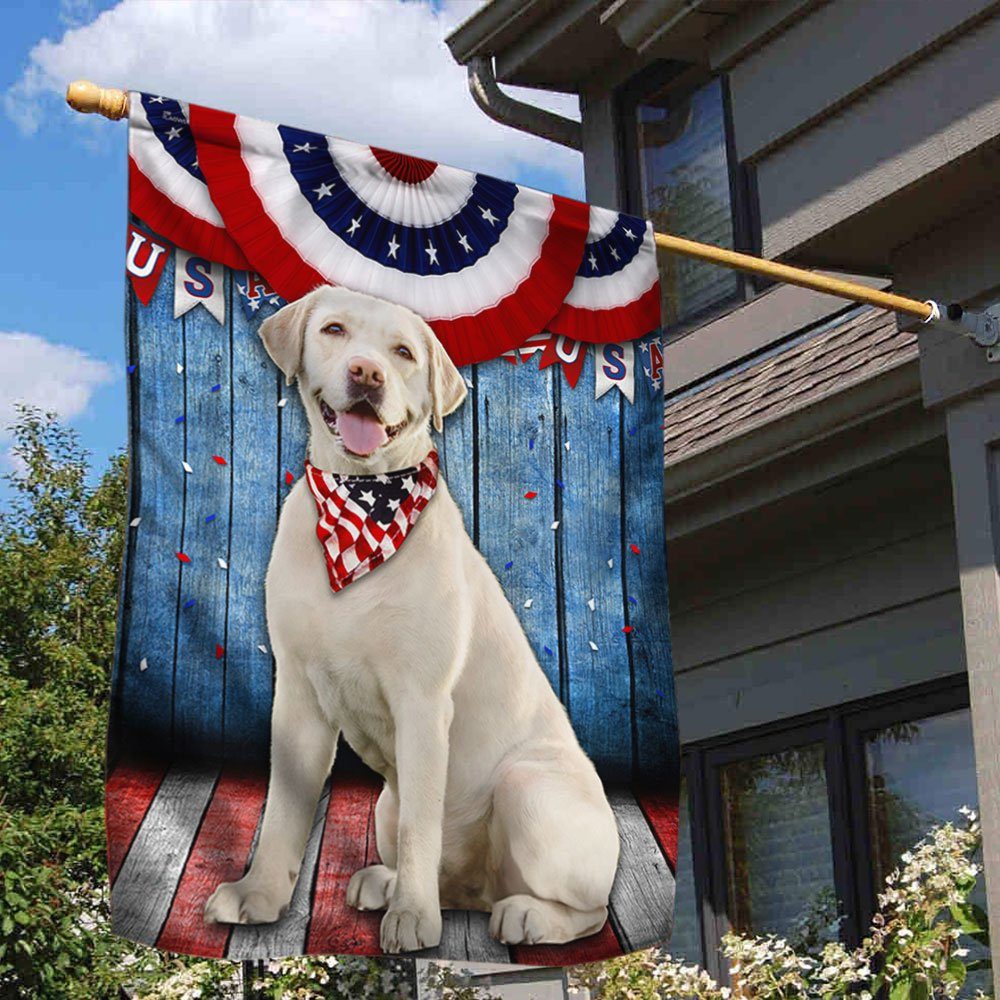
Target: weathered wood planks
128,794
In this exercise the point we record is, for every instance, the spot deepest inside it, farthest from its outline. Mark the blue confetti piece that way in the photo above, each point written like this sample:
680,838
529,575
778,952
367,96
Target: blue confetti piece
560,484
531,444
547,650
179,420
631,431
130,369
508,565
189,603
210,519
632,600
216,387
660,693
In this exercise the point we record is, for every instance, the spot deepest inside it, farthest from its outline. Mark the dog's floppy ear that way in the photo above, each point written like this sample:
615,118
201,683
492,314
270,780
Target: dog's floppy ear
447,385
284,334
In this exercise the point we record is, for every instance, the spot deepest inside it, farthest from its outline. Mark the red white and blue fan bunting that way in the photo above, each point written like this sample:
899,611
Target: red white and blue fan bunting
615,295
486,262
167,189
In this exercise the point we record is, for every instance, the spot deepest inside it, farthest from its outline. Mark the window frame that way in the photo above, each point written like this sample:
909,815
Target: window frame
841,730
682,78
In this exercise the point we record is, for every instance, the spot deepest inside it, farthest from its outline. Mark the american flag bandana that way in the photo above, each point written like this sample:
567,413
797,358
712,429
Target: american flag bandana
364,519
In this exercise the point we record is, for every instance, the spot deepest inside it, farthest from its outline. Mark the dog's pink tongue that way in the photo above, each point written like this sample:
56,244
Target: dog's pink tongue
361,433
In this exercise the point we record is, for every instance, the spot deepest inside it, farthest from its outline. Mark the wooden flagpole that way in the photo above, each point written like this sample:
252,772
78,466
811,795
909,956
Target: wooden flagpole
88,98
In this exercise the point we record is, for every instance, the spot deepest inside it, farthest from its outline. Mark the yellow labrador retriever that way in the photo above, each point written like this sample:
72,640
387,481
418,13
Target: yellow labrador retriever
489,802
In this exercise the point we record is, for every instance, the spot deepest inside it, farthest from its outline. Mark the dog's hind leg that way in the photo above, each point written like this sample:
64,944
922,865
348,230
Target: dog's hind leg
371,888
303,744
555,843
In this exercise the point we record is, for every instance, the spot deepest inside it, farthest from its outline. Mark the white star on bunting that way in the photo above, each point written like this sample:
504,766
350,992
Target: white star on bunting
393,247
354,226
323,191
305,147
630,234
431,252
173,133
488,216
593,262
464,243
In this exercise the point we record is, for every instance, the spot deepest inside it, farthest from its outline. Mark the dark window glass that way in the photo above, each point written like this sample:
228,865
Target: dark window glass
685,941
779,859
685,189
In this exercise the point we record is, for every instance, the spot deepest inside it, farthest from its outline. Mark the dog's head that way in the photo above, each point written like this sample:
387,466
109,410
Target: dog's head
371,373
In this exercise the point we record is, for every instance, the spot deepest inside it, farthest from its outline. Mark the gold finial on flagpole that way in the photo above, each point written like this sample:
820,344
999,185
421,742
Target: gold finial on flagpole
88,98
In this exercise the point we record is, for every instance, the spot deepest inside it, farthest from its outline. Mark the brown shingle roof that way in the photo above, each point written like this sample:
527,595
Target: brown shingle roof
852,351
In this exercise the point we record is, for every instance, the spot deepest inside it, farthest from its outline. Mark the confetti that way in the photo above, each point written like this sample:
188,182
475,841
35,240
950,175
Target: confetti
179,420
218,459
187,468
634,549
566,445
531,444
184,557
547,650
222,563
592,604
530,495
560,484
220,651
468,382
593,645
189,603
180,368
508,564
611,564
135,522
631,431
216,387
632,600
281,402
289,478
143,664
627,629
660,693
529,602
210,518
130,369
555,525
262,647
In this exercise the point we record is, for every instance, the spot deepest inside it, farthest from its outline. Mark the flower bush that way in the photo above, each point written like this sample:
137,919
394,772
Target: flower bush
915,950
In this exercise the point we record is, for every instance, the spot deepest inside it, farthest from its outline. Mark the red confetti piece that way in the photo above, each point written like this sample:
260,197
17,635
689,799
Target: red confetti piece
184,557
627,629
289,478
219,651
530,495
218,459
634,548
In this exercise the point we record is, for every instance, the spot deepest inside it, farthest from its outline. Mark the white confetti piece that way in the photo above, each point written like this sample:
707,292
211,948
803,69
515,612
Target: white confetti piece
262,647
592,604
187,468
143,663
281,402
135,522
555,525
222,563
566,446
593,645
611,564
468,382
528,602
180,368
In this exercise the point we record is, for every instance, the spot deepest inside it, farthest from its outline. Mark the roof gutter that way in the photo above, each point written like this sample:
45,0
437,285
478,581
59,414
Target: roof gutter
504,109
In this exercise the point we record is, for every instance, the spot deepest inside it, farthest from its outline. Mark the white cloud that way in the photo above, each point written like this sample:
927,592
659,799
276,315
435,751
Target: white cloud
50,376
376,72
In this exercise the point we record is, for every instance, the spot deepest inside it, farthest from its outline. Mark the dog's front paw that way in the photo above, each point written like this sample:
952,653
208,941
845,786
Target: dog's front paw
246,902
410,928
371,888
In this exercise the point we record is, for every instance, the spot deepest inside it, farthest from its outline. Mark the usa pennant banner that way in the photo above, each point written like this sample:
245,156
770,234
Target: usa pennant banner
376,513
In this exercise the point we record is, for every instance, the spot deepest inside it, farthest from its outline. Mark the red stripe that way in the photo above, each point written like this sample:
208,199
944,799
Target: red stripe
603,326
177,224
220,853
661,812
128,793
595,948
348,845
468,339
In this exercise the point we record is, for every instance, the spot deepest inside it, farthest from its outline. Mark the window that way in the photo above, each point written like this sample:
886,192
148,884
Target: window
792,828
681,174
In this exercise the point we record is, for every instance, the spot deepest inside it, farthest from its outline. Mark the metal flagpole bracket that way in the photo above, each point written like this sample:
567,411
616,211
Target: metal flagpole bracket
982,327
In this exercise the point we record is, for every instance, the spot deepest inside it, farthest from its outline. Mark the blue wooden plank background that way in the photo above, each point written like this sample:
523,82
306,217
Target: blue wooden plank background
595,466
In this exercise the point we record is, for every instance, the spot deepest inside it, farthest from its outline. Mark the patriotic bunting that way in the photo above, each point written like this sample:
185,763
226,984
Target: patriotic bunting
615,367
145,258
198,281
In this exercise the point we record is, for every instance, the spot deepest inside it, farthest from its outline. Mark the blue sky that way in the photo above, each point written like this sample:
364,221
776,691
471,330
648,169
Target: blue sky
375,71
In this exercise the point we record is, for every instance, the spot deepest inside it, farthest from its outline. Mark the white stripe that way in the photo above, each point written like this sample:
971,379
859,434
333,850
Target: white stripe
163,171
446,296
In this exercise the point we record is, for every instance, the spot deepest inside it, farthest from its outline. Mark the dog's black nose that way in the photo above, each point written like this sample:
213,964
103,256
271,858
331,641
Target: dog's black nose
366,372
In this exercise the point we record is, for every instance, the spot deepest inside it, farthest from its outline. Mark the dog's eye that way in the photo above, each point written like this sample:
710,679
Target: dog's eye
404,352
334,329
